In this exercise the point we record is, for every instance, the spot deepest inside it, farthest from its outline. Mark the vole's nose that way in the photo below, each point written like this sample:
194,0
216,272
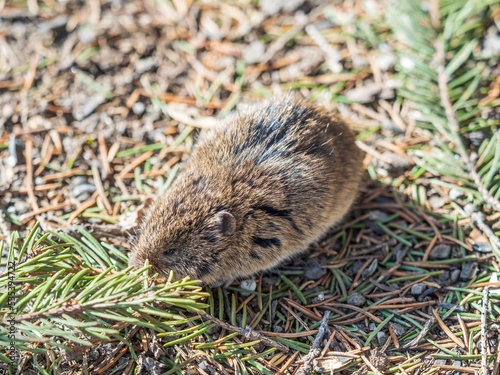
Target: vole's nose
133,261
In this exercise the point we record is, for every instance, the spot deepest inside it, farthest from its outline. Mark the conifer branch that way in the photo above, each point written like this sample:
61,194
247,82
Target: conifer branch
446,103
71,301
455,127
443,93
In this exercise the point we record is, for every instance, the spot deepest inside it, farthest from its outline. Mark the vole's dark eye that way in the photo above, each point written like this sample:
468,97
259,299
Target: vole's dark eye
169,252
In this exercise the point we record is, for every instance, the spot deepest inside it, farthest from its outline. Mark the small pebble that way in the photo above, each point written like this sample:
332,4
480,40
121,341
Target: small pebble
381,338
469,270
364,94
78,180
254,52
482,247
401,253
248,285
442,251
385,61
356,266
476,137
138,108
374,227
444,277
319,298
449,306
454,276
88,107
491,45
455,193
381,199
423,296
270,7
143,65
407,63
378,215
268,281
418,289
278,329
398,329
387,124
239,320
436,201
314,270
86,33
7,111
12,158
21,206
356,299
204,366
82,189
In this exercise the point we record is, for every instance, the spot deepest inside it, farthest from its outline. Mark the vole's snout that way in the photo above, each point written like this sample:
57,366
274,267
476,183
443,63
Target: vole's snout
139,262
137,258
134,261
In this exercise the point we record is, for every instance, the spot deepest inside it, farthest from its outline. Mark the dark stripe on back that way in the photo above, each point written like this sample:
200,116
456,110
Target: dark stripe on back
286,214
273,211
266,242
254,254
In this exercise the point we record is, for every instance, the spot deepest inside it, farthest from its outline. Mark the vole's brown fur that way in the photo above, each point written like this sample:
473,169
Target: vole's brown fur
257,189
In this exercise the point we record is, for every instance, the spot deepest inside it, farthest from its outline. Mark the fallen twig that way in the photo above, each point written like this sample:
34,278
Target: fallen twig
484,310
478,221
315,350
422,333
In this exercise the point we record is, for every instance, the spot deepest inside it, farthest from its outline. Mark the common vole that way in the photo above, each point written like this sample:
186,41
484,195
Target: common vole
258,188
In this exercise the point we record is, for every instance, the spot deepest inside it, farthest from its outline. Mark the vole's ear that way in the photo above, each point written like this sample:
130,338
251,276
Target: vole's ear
225,223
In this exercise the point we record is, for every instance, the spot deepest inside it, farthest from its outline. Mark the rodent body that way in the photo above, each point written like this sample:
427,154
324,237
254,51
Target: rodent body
257,189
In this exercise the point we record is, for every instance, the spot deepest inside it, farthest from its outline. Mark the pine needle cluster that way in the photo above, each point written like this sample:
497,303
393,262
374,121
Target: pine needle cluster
61,294
445,81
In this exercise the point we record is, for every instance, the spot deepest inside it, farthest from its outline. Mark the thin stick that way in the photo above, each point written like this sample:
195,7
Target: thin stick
135,163
288,363
247,332
29,175
100,188
484,354
315,350
103,153
422,333
447,330
478,221
429,248
87,204
53,207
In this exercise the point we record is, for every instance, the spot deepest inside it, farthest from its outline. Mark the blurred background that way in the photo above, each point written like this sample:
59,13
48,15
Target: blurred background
83,82
87,83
